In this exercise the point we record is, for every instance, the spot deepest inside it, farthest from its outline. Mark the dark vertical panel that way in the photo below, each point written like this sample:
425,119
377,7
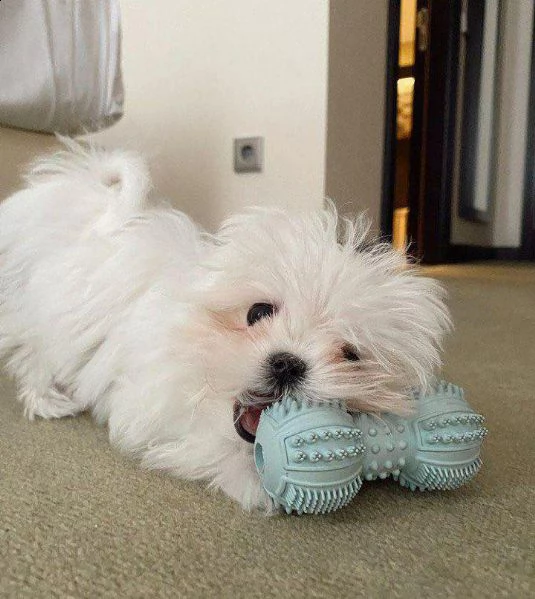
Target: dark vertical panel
475,19
418,144
389,156
471,117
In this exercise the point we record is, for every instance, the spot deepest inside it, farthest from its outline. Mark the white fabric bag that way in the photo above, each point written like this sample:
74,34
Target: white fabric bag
60,65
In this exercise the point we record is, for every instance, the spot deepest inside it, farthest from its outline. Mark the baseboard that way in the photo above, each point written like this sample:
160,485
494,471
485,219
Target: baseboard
469,253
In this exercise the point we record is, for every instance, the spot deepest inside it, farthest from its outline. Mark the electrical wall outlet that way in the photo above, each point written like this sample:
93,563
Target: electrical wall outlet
249,154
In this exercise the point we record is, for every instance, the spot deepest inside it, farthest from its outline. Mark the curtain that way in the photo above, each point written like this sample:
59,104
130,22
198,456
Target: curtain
60,65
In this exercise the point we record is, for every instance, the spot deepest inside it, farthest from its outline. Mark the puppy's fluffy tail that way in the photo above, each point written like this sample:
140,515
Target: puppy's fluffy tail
120,175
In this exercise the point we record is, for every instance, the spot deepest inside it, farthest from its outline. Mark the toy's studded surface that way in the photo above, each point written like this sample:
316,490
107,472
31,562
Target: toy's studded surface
300,456
318,471
341,454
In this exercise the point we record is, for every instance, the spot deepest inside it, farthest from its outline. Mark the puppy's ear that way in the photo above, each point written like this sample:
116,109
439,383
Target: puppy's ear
408,324
400,314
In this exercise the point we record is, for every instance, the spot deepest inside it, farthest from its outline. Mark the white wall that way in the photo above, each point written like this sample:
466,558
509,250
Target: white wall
198,74
356,112
17,149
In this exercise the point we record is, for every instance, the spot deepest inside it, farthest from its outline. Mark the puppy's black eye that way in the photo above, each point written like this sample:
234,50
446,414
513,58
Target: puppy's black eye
259,311
350,353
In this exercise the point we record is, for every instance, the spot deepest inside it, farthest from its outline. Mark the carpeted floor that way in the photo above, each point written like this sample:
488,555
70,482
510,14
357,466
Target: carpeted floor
79,520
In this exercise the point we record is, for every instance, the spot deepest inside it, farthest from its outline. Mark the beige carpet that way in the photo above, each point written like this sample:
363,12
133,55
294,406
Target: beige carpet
79,520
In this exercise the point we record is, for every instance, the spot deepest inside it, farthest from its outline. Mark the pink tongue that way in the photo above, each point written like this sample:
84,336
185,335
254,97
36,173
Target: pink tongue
250,419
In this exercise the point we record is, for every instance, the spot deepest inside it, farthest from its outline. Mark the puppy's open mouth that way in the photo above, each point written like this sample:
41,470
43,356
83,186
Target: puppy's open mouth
247,417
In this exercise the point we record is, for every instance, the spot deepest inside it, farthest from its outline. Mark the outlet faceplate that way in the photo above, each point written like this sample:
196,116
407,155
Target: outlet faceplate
248,154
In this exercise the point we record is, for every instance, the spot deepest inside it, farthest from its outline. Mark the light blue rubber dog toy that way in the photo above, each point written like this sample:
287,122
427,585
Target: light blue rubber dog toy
313,457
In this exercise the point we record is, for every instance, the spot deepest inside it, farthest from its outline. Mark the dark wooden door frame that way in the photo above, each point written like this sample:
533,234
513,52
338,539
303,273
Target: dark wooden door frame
527,249
433,148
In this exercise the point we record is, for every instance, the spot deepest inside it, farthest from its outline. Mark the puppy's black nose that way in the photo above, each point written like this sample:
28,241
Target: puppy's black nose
286,368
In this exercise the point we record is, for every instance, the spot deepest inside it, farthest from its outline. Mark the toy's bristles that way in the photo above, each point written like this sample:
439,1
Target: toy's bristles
440,478
319,501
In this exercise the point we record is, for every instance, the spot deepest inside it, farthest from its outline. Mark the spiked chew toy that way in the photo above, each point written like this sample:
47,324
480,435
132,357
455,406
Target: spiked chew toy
309,456
312,457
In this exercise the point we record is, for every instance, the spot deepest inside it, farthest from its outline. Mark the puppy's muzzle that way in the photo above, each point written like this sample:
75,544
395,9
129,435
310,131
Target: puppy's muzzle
285,370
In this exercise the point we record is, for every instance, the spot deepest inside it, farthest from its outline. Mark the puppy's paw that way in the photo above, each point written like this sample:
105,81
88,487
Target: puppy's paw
240,481
250,495
53,403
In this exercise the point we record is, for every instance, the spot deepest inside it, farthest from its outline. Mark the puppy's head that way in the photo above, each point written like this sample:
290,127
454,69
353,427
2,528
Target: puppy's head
308,305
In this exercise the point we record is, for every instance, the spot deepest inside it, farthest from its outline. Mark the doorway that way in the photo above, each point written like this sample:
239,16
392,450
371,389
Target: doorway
422,74
451,179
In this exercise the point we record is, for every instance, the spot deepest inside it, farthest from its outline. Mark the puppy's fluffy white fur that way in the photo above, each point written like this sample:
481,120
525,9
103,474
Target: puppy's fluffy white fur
113,304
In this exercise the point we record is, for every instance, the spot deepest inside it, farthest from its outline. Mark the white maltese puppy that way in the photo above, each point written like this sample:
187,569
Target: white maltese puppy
177,339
